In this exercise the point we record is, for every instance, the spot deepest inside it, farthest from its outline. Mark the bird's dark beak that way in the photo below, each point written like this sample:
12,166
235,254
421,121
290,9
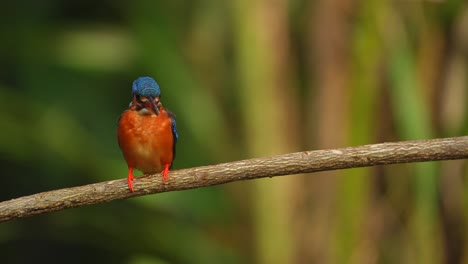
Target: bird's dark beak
151,104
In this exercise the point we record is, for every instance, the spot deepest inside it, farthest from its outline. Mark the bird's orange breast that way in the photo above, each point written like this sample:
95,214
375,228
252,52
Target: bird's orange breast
146,140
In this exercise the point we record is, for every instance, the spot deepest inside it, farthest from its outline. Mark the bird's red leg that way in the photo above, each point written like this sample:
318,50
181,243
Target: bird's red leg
165,171
130,178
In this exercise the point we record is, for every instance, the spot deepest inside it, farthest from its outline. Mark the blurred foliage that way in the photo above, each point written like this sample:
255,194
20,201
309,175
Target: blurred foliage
246,79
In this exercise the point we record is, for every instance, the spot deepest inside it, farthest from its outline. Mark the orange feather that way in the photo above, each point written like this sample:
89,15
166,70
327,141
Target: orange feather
146,140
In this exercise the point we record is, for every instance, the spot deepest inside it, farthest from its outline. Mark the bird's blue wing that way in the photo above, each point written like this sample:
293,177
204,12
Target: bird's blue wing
175,135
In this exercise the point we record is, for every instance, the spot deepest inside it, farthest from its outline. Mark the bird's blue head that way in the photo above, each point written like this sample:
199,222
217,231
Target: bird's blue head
146,86
146,94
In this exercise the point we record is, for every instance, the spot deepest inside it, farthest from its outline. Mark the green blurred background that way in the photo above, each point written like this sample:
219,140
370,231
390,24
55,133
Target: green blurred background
245,79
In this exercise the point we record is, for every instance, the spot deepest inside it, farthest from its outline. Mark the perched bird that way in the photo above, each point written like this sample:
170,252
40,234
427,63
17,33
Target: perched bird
147,132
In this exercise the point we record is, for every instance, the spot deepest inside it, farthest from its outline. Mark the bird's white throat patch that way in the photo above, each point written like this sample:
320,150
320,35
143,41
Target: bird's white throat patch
145,111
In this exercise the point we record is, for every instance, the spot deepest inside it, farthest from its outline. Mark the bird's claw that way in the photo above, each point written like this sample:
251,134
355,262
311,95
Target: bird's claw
165,172
130,179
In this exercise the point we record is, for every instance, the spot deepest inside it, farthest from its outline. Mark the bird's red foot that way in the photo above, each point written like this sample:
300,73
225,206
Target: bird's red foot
130,179
165,171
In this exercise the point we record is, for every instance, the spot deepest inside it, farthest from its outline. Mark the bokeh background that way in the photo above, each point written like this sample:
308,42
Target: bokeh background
245,79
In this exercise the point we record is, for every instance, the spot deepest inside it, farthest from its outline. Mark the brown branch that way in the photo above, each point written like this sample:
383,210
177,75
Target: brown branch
294,163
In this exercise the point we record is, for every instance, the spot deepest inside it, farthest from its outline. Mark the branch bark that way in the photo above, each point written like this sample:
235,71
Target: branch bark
293,163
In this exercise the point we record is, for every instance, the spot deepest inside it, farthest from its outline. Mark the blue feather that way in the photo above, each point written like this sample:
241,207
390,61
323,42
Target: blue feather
175,135
146,86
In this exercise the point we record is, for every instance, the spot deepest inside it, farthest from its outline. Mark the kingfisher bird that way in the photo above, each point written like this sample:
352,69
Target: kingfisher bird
147,132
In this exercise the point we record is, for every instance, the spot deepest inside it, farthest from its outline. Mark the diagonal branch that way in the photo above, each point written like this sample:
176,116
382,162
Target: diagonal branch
294,163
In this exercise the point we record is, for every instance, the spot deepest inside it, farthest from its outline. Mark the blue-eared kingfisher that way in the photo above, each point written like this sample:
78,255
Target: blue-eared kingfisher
147,132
